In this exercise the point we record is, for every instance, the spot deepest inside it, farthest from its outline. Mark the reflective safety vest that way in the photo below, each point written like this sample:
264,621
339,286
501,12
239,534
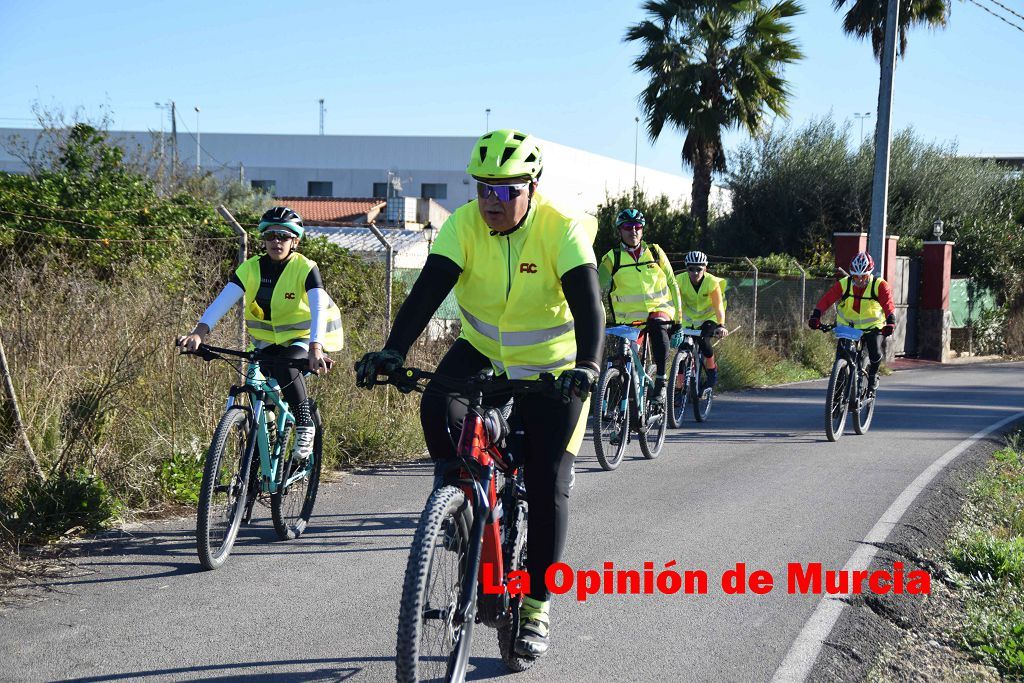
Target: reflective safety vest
289,304
697,307
639,288
512,307
870,315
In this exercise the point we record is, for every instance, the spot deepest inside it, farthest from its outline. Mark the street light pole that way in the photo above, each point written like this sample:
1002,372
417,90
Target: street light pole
863,116
198,146
487,121
636,147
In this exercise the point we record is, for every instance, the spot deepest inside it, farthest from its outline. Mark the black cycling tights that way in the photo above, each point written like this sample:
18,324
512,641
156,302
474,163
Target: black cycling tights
548,425
657,338
291,379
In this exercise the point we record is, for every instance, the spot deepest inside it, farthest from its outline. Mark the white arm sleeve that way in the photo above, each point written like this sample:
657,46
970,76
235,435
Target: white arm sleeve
228,297
318,299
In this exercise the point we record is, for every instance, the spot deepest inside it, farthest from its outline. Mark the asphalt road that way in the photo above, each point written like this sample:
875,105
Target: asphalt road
758,484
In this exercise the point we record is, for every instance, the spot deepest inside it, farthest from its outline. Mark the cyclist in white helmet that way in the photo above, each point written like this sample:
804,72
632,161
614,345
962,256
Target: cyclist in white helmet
864,302
703,297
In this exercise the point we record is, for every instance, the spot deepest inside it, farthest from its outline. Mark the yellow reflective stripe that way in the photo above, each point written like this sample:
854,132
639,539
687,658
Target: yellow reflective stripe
486,329
294,326
333,325
632,315
634,298
258,325
524,371
530,337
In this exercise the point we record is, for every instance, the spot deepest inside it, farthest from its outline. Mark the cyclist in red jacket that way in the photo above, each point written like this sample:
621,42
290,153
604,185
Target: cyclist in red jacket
864,302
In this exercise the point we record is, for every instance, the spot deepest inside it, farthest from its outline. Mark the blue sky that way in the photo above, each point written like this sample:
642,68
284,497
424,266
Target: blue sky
558,69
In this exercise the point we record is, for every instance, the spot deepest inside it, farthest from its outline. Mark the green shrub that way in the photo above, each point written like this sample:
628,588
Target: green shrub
68,502
181,477
981,553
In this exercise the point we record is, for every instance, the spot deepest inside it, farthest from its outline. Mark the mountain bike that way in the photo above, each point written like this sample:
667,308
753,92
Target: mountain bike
471,531
623,392
251,457
848,386
687,381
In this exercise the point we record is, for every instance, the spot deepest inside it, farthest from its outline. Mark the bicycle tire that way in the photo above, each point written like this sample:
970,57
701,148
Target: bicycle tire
677,396
509,630
291,508
700,396
836,406
412,661
652,437
863,415
222,475
610,421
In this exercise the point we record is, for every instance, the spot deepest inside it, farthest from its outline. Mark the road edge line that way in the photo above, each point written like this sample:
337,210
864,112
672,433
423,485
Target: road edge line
804,651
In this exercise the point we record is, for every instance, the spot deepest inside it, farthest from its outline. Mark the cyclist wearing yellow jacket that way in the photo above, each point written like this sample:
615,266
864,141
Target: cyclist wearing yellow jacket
641,287
525,279
703,297
288,314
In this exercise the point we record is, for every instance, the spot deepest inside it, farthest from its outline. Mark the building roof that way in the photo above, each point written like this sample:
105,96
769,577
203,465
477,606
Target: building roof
333,210
362,240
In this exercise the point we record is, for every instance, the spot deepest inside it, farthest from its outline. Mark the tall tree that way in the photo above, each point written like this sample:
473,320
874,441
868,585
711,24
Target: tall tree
866,18
713,65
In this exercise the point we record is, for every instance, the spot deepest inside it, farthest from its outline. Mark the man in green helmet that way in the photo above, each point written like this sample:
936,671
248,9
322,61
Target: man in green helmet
525,278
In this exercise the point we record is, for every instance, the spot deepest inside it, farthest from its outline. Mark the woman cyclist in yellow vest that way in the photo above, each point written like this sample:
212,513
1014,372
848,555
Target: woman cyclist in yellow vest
641,287
525,279
864,302
287,313
703,297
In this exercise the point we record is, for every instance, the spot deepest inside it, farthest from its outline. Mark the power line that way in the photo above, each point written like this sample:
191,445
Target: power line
997,16
1016,14
200,144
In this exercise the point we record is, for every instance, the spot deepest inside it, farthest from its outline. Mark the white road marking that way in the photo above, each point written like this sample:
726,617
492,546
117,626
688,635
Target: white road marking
808,643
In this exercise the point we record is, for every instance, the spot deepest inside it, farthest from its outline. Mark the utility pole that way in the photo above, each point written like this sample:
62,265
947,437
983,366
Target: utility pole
321,116
636,147
883,140
198,147
174,139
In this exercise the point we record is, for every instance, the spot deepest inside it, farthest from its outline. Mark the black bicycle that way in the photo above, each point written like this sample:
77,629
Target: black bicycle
848,386
687,381
471,534
251,455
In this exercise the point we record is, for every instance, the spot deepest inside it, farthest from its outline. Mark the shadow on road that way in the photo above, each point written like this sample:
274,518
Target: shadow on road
334,669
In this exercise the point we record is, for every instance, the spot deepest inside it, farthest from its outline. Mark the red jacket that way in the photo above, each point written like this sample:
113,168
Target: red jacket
836,292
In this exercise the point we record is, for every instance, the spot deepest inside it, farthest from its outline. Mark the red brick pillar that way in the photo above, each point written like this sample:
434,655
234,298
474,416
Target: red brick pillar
889,267
934,319
846,245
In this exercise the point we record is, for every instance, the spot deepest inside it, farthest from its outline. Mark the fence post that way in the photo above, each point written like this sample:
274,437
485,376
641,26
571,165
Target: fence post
388,268
243,254
803,295
753,328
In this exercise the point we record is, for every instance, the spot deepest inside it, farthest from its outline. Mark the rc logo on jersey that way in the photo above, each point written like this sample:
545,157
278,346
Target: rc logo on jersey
527,267
289,295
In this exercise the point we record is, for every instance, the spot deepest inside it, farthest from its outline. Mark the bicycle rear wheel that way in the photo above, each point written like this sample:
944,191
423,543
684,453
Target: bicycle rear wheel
222,492
836,399
291,506
611,422
678,389
865,410
431,645
701,394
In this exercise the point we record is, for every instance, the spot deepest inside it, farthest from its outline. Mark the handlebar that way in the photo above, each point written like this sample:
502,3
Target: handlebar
209,353
414,379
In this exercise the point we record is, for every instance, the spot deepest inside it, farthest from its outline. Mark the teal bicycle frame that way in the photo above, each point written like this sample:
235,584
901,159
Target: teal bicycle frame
639,380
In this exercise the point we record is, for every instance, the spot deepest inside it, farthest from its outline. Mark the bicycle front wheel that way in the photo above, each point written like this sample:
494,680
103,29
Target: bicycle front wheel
652,435
701,394
864,411
678,389
432,645
611,422
291,504
223,489
508,631
837,399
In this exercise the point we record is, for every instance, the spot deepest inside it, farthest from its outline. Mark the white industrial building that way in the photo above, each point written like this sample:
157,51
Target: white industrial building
364,165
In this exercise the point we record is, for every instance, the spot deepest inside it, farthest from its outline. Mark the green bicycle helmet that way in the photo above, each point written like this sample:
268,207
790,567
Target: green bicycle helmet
282,216
505,154
630,216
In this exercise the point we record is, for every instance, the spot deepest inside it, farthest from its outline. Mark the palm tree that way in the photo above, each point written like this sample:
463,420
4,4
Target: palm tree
713,65
867,18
